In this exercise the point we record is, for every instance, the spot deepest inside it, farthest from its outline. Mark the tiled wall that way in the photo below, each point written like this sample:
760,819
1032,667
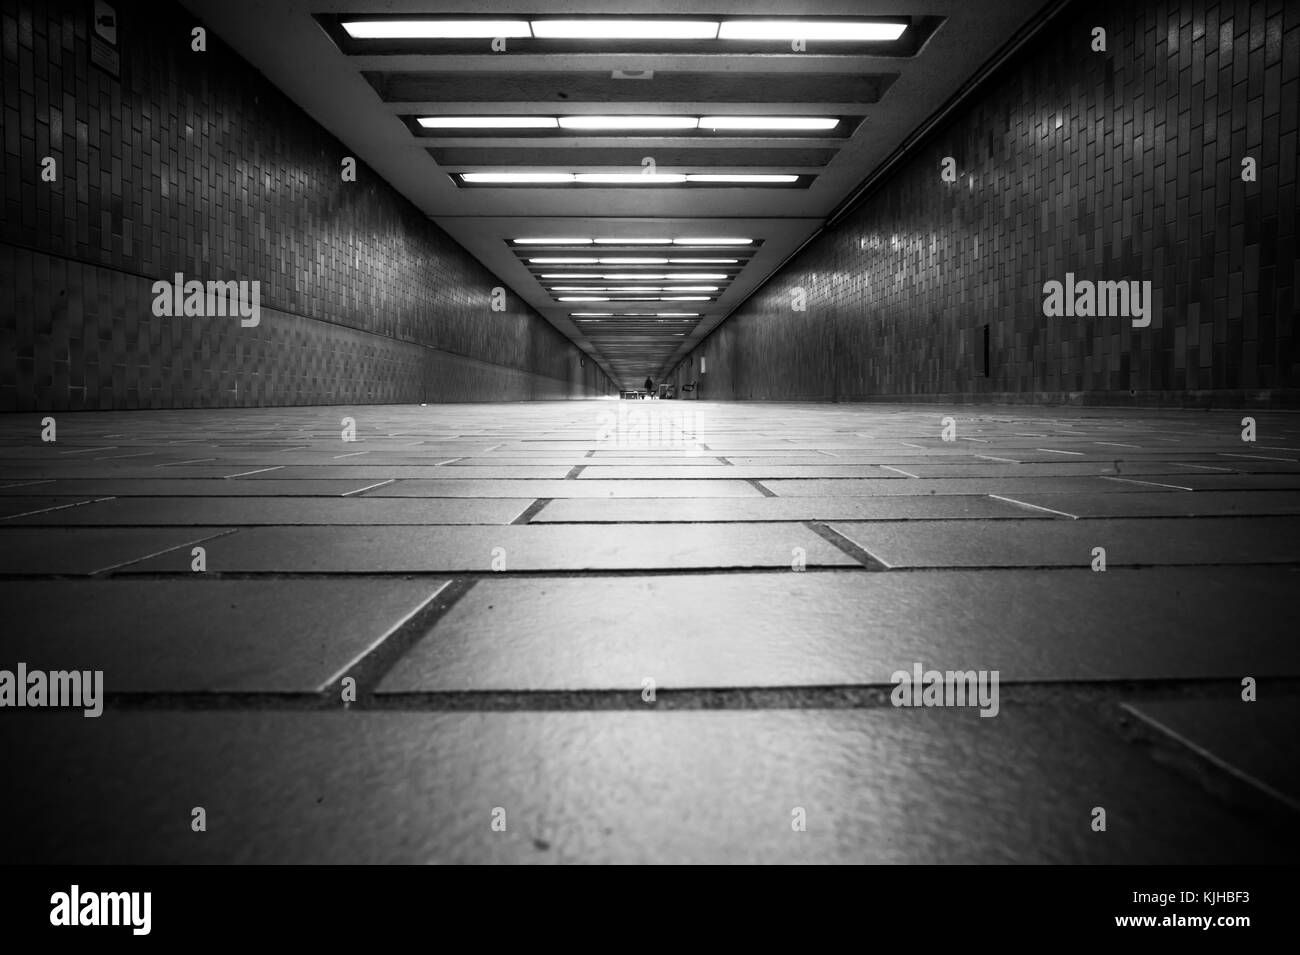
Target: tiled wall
1124,165
193,163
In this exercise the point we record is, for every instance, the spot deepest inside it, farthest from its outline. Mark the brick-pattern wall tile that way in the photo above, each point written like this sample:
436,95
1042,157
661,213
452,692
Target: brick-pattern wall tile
193,163
1123,165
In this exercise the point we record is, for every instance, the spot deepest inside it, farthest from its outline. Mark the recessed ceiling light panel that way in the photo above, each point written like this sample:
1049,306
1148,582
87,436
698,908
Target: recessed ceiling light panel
488,122
437,29
612,241
740,177
712,241
768,122
839,30
618,28
518,178
631,178
546,241
628,122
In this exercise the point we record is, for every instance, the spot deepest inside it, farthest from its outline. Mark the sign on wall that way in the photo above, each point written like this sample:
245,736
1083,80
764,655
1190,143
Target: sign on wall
103,38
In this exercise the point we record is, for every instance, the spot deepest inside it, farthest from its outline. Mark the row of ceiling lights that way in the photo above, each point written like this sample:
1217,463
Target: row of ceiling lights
619,178
632,288
617,241
638,277
626,260
634,298
620,28
766,123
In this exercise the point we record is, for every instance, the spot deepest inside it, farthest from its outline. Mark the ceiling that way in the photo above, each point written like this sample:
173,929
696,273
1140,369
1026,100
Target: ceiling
372,93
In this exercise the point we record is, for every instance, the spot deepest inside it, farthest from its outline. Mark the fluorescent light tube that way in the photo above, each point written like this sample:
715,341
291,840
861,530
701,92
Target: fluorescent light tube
842,30
488,122
553,261
518,178
741,177
708,241
628,122
631,178
544,241
614,241
436,29
767,122
618,28
580,298
701,261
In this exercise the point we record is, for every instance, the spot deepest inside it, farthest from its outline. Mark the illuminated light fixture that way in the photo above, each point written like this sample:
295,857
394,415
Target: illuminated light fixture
633,242
488,122
841,30
581,298
572,275
538,178
562,261
438,29
646,121
677,314
628,122
728,177
552,242
768,122
633,276
617,28
698,276
707,241
634,261
633,288
700,261
684,298
631,178
517,178
591,314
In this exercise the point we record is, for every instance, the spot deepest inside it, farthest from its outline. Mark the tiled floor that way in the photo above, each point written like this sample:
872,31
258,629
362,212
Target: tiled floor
653,631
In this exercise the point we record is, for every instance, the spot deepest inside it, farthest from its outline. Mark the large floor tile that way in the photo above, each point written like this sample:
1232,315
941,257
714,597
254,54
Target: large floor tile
511,548
843,628
933,786
80,551
191,636
1157,541
892,508
1255,741
238,511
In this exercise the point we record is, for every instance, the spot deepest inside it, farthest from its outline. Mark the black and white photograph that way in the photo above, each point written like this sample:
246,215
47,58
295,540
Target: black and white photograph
650,432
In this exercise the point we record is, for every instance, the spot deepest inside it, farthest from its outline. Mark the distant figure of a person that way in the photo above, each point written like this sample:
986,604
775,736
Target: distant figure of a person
649,388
